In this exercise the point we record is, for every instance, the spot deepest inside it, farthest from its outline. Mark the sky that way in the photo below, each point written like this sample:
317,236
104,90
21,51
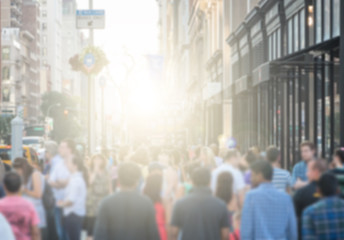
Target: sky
130,23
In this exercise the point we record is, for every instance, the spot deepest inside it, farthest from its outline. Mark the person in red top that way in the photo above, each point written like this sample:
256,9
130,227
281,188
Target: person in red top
152,190
236,220
19,212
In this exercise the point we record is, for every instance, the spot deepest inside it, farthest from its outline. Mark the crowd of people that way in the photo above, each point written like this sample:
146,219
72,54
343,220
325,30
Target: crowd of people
149,193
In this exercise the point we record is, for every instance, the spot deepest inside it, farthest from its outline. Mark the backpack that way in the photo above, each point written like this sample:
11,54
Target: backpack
48,198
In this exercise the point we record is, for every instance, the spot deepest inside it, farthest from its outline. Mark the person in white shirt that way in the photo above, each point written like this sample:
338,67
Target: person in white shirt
58,178
5,229
74,201
227,166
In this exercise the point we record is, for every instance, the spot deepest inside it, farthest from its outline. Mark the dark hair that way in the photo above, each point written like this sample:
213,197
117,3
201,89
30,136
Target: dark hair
340,154
201,177
230,154
153,187
328,184
263,167
319,165
129,174
272,154
141,156
98,156
23,164
307,144
71,145
12,182
224,187
251,156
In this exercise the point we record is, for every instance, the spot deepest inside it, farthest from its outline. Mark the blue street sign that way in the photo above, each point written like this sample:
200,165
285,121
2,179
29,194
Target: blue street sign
89,60
90,12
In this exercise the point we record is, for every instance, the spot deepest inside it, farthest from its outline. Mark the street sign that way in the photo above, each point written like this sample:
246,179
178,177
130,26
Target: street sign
89,61
90,19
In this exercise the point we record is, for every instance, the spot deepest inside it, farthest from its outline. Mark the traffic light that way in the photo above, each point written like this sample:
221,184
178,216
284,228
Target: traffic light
66,113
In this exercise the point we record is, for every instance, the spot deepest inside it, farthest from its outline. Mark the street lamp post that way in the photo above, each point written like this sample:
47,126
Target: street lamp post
102,83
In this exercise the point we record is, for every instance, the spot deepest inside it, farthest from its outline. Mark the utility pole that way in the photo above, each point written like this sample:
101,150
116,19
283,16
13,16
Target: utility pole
341,80
90,97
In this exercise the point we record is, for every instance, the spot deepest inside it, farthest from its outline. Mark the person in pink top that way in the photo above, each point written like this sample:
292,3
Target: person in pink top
19,212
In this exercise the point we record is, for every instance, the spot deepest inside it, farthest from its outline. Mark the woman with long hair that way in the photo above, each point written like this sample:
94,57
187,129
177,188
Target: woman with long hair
74,202
152,190
33,188
98,188
224,191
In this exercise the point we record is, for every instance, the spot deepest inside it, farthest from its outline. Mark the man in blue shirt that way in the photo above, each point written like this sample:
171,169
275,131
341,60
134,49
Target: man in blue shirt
267,212
325,219
299,175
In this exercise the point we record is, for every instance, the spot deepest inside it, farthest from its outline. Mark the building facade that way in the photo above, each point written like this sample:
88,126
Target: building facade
265,72
51,43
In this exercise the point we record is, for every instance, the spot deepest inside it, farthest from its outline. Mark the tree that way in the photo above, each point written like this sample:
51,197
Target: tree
63,109
5,128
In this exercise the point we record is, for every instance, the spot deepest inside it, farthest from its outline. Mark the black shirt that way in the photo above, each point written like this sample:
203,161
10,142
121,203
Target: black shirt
339,173
303,198
126,216
200,216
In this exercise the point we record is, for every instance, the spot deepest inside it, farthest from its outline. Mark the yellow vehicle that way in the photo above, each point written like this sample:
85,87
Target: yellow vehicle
28,152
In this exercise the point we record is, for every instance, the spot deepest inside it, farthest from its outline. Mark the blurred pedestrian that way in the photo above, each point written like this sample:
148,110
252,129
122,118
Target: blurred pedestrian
74,200
207,158
338,171
2,175
58,180
324,219
235,235
19,212
215,148
281,178
228,166
308,195
299,175
267,213
200,215
152,190
51,156
126,214
5,229
33,188
224,192
98,188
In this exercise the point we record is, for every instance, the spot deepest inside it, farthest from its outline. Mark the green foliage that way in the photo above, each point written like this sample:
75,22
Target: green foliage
65,125
77,61
5,128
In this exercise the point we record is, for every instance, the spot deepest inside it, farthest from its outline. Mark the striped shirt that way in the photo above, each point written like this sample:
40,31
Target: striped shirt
281,179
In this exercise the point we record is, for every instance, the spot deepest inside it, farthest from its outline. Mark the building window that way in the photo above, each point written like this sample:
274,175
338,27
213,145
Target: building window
44,13
5,73
302,29
44,26
290,36
296,33
327,19
5,53
318,22
336,18
278,49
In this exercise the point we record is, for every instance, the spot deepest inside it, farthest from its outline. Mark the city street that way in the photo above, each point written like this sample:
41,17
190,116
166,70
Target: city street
172,119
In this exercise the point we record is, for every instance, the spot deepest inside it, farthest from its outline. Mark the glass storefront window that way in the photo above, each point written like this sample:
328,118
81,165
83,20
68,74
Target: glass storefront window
318,22
296,99
296,33
278,43
319,89
302,30
327,119
290,36
336,18
327,19
336,74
